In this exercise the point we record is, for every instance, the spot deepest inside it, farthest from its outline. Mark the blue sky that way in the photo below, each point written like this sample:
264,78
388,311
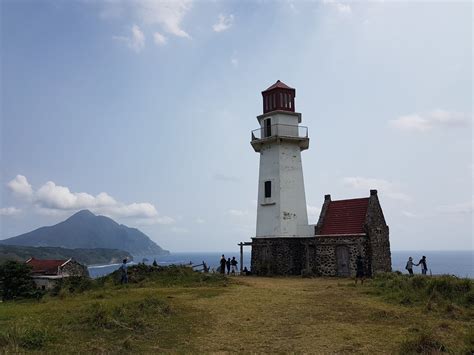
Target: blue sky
142,111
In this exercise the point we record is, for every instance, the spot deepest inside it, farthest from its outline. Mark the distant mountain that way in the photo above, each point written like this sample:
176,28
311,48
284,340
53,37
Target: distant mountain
86,230
84,256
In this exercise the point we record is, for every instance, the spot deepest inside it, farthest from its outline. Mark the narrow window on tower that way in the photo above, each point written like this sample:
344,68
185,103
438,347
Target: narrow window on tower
267,127
268,189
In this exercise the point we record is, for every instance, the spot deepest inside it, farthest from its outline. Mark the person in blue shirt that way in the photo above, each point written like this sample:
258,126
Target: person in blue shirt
123,272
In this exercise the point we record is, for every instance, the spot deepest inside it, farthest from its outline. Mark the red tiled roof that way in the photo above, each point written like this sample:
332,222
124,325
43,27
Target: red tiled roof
345,216
46,267
278,85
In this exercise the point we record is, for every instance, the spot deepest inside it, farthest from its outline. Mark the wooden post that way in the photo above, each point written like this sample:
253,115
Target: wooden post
241,256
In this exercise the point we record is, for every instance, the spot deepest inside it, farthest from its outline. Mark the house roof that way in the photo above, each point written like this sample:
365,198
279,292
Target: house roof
345,217
278,85
46,266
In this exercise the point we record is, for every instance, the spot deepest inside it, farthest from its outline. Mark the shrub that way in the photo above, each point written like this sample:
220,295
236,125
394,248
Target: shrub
444,293
172,275
16,281
73,284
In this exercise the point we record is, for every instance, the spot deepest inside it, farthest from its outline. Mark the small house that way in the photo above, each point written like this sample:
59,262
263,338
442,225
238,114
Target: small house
46,272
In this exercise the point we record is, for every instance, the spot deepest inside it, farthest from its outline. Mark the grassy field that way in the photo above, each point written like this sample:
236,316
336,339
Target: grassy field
243,314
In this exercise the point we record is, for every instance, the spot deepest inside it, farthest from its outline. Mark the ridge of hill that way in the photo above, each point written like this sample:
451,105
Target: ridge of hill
87,231
97,256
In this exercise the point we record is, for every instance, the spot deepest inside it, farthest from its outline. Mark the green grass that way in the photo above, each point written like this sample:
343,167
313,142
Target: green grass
177,310
446,294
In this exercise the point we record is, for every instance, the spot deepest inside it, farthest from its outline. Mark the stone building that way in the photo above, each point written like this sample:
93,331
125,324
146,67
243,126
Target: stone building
46,272
285,244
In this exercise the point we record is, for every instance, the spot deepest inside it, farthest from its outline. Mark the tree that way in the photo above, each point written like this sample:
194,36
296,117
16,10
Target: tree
16,281
155,263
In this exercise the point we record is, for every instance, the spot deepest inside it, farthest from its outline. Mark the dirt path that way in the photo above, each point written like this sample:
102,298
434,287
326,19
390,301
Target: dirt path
302,315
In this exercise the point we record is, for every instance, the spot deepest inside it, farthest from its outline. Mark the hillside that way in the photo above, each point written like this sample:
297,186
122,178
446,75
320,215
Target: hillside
86,230
178,311
84,256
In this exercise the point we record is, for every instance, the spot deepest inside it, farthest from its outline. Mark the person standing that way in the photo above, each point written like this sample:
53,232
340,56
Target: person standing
123,272
228,266
409,266
223,263
359,270
422,262
234,263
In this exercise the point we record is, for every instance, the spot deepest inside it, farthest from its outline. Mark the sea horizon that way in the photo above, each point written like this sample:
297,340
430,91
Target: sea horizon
440,262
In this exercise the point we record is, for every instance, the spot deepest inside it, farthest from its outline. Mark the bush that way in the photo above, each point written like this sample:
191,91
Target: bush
172,275
73,284
444,293
16,281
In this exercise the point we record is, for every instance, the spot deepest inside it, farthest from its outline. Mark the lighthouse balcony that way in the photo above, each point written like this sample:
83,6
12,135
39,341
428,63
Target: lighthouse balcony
280,133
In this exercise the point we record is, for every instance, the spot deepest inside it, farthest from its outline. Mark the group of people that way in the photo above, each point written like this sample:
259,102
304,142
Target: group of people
228,264
422,263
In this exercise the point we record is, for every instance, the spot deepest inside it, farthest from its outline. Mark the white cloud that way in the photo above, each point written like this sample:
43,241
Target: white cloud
21,187
458,208
159,39
223,23
313,214
409,214
339,6
423,122
52,199
168,14
384,186
9,211
237,213
136,41
199,221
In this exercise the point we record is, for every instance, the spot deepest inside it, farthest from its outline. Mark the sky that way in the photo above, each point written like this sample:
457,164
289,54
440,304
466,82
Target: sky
142,111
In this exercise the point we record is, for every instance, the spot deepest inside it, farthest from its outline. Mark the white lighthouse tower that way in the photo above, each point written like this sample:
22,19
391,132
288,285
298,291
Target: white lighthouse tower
281,206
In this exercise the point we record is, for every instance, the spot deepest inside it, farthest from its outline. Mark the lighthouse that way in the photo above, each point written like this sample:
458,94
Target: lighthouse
284,243
281,202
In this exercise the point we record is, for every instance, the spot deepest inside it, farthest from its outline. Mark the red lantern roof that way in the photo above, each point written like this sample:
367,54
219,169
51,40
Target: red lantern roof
279,97
278,85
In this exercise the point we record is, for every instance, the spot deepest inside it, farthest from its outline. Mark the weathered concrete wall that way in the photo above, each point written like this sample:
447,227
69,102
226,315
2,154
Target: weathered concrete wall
283,214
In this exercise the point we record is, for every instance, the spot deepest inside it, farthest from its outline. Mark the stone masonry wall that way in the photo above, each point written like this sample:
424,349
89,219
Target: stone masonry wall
73,268
292,256
277,256
378,232
326,262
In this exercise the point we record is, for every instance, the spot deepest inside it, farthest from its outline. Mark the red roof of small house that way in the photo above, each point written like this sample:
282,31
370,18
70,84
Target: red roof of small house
46,267
345,217
278,85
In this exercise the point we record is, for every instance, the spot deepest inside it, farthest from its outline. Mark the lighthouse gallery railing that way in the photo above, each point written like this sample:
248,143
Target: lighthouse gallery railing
280,130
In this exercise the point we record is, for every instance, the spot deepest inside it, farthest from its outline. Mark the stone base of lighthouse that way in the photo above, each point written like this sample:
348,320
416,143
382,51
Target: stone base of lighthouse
281,256
316,255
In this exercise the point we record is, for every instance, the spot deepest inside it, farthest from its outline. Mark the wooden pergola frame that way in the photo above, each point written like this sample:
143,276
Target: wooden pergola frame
242,245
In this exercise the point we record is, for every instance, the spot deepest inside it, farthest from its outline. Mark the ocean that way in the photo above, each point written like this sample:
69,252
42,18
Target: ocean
458,263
